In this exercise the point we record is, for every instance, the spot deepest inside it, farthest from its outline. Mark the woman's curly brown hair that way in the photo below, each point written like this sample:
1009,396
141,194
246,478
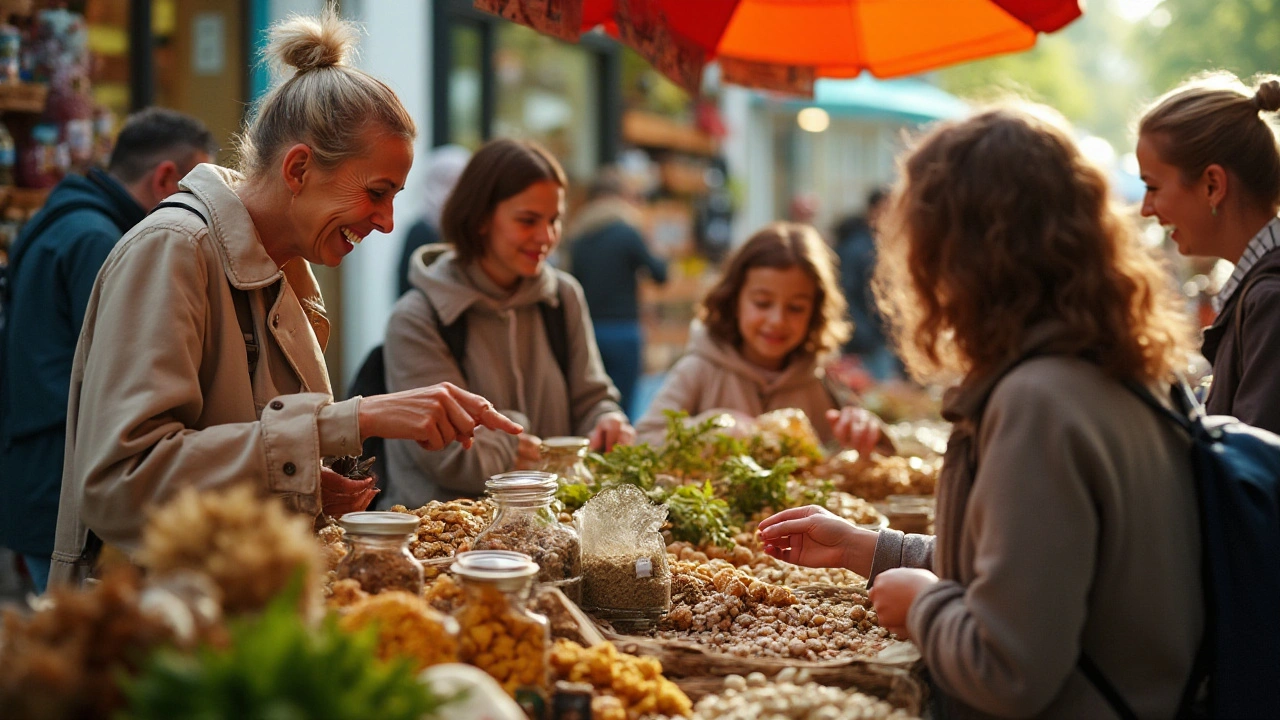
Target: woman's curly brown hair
999,223
781,246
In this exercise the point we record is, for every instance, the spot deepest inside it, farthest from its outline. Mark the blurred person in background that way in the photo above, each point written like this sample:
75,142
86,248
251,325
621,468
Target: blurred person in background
444,165
55,261
606,254
1209,156
856,248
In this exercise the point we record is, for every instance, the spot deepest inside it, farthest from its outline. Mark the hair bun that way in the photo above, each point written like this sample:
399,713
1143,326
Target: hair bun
310,43
1267,96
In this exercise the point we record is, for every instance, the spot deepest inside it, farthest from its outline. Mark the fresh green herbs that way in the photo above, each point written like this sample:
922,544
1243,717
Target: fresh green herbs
697,516
751,488
276,666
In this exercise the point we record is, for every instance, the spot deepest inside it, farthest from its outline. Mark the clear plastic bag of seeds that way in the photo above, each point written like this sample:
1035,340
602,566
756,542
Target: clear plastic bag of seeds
625,578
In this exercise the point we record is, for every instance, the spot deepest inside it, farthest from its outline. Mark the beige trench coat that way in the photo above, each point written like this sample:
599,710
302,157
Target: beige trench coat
161,397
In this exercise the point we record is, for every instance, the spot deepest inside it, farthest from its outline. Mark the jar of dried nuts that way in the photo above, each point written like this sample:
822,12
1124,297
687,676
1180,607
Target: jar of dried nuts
498,633
525,523
566,457
378,554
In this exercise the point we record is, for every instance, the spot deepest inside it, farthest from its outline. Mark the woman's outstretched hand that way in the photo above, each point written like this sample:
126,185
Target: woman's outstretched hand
813,536
432,416
612,429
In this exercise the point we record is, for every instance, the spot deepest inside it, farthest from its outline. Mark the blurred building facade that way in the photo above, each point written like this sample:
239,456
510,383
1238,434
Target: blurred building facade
713,169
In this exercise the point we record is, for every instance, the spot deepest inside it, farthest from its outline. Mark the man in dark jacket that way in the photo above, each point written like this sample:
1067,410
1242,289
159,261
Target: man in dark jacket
52,268
856,247
606,251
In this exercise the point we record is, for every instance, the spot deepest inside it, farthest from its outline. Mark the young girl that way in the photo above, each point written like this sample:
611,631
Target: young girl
494,294
1067,525
776,310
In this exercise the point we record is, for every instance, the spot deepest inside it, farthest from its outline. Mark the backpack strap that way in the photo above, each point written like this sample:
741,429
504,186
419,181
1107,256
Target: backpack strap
239,298
554,324
1104,687
1238,318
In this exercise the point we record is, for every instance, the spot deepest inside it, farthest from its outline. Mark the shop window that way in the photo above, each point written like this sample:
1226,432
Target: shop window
547,91
466,84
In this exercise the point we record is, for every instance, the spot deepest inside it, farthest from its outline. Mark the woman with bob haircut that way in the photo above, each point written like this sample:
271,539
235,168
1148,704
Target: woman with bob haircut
1211,164
491,286
201,359
1067,525
765,325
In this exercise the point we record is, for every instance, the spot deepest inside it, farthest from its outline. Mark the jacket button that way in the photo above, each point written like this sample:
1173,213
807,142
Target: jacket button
275,321
290,468
277,405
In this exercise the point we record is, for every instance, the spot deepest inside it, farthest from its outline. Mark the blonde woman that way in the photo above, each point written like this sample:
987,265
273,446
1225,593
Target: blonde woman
1211,163
201,360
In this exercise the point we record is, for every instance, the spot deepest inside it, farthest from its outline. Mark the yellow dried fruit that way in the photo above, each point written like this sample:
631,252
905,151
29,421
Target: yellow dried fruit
635,684
407,627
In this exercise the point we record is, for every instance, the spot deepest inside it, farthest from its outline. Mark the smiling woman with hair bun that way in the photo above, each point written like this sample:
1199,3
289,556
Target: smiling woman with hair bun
1210,159
201,358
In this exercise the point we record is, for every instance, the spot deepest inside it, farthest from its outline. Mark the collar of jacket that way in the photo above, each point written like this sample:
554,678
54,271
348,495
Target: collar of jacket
799,371
1211,337
965,401
453,290
244,258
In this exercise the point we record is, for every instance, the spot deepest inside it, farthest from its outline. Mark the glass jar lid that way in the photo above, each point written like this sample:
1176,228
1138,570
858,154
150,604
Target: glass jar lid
505,570
522,483
374,522
565,444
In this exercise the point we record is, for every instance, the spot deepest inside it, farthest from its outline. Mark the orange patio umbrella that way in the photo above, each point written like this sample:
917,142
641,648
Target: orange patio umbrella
787,44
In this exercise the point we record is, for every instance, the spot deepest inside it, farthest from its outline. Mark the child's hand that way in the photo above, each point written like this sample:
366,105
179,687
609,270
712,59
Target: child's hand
813,536
894,591
855,428
612,429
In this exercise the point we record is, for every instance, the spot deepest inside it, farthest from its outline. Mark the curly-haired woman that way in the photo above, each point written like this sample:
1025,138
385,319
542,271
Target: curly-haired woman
1067,524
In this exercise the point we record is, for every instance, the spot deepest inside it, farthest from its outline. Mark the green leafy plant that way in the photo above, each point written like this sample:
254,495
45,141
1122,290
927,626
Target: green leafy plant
751,488
276,666
625,464
686,451
697,516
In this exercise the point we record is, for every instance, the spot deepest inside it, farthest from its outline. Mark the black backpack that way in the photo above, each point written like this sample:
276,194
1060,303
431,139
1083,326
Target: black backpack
1237,472
371,378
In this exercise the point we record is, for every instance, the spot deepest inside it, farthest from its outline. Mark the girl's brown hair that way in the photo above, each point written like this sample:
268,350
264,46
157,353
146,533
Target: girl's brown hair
1213,118
999,223
325,104
501,169
781,246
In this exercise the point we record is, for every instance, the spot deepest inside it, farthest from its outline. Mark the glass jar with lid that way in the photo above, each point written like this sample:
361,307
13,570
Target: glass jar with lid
526,523
378,554
567,458
498,634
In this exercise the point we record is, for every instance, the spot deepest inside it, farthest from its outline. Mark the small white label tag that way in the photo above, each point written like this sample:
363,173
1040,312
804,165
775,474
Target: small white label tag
644,567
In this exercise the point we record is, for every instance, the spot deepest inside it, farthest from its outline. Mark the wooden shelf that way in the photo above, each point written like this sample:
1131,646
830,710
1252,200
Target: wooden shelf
655,131
23,97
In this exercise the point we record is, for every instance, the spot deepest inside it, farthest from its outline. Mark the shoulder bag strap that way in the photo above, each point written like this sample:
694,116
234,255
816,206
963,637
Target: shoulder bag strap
240,298
1238,319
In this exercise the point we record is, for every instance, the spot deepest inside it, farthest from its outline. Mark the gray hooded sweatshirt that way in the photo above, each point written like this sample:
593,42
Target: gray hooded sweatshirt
508,360
713,376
